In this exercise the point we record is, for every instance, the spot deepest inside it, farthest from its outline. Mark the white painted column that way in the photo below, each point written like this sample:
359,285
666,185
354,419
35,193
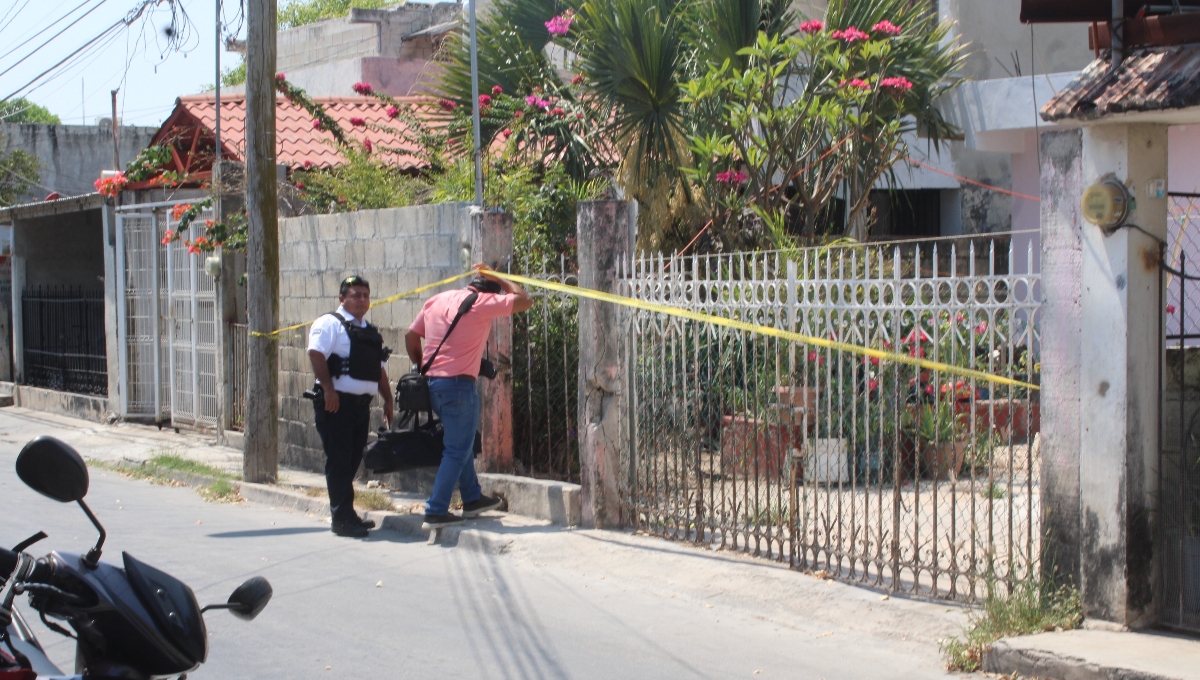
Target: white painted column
1121,353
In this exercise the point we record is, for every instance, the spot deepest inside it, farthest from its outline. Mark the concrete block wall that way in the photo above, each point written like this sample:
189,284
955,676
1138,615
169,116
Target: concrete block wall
396,250
324,42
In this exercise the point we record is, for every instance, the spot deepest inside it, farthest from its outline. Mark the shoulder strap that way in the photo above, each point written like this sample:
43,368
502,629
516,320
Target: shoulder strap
463,308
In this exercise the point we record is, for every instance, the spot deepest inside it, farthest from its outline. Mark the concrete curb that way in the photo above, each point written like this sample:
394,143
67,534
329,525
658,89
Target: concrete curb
554,502
85,407
1006,659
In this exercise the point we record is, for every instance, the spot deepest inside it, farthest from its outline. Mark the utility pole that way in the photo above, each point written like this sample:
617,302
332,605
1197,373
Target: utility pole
260,461
116,139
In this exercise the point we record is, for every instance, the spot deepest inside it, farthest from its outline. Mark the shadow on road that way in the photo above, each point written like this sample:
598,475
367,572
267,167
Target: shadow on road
258,533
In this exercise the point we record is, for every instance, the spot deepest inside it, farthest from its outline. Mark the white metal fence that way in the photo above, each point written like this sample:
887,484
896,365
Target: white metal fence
875,472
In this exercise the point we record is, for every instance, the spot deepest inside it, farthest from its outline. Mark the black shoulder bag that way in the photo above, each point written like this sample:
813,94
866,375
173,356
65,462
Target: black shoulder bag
412,389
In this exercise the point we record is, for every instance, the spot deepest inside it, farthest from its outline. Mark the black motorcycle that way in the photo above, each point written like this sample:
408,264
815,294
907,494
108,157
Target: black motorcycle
131,623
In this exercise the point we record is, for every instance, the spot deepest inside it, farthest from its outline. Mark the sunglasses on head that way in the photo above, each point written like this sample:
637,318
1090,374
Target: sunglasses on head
351,281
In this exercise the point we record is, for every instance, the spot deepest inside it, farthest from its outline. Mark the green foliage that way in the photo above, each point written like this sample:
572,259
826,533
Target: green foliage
234,75
1033,606
301,12
150,163
361,183
21,110
177,463
18,174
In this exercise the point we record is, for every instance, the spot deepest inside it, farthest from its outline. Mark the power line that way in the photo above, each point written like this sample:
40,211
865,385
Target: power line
48,27
51,39
6,20
126,21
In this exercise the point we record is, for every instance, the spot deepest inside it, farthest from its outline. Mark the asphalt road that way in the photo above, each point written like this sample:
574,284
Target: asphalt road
394,607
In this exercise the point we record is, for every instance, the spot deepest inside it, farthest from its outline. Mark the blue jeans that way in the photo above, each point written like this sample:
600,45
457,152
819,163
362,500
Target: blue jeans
456,403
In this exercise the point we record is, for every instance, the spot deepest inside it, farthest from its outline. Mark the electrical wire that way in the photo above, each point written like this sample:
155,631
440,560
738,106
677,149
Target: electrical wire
6,20
47,28
49,40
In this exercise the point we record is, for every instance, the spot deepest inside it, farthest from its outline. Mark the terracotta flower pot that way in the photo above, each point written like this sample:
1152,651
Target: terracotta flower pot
797,405
751,446
943,460
1018,416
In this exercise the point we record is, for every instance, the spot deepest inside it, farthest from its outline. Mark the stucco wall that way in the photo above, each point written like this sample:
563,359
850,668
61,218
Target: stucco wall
71,156
992,31
63,250
396,250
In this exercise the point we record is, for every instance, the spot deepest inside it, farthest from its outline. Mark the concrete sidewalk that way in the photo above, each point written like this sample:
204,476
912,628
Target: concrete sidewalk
1097,655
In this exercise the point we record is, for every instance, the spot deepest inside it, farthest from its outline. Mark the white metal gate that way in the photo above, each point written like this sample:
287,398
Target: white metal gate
170,324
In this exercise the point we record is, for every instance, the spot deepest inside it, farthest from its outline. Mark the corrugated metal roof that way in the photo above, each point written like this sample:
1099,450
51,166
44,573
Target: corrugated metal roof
1149,79
60,206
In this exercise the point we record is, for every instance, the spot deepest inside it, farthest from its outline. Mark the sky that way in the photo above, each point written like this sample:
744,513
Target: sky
137,59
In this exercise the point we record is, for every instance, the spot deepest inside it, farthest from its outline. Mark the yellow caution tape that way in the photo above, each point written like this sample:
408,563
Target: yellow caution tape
703,318
384,301
766,330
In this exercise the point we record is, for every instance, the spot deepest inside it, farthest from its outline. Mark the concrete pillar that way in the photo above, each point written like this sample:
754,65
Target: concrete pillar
112,288
1061,225
496,421
18,325
605,232
1119,402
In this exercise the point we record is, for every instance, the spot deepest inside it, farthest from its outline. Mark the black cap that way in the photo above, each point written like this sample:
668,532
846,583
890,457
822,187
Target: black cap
485,285
350,281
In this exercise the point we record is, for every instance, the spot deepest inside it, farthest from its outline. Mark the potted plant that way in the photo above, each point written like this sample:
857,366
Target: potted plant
936,428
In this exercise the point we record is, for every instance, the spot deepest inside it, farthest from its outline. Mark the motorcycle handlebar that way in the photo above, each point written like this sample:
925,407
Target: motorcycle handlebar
41,572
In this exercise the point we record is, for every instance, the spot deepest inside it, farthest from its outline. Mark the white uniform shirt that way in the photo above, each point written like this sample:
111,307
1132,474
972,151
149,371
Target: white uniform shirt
328,336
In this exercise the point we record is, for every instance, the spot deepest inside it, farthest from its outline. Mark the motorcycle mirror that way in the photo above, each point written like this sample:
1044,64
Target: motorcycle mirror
53,469
250,598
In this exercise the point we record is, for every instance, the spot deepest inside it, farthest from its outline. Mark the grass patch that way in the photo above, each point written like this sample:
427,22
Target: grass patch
176,463
1033,607
993,490
372,500
220,491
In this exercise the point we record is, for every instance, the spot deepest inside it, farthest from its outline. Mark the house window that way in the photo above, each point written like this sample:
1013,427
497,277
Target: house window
912,213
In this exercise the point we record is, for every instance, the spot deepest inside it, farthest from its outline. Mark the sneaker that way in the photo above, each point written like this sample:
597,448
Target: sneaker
476,508
350,530
366,523
440,521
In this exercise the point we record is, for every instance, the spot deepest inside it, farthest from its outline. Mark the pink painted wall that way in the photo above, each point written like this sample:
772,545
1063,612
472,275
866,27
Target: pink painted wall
1183,161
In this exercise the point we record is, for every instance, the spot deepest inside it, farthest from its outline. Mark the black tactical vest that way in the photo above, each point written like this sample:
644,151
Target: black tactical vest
367,353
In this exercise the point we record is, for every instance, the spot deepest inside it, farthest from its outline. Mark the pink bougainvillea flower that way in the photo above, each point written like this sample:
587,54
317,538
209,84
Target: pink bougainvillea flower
280,77
392,112
485,100
577,79
357,122
518,113
506,132
316,124
812,356
981,328
308,165
579,116
725,177
447,105
897,83
812,26
363,88
874,361
168,236
300,186
872,385
538,102
1170,309
850,34
368,145
886,27
561,24
497,90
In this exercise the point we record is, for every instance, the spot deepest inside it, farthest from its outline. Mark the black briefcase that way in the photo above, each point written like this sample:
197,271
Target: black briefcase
418,447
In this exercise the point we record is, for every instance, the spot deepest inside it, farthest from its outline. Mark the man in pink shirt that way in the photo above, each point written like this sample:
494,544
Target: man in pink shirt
452,390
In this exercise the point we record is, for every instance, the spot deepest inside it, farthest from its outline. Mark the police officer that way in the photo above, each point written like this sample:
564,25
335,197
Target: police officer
349,361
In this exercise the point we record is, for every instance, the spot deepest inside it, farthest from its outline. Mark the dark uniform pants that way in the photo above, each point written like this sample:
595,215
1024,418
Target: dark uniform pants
344,436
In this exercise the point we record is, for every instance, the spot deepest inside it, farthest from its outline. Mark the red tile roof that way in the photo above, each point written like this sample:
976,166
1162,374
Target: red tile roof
297,141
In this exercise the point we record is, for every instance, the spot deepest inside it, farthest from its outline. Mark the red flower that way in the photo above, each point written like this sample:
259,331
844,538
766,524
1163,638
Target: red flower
812,26
577,79
316,124
363,88
1170,309
929,389
368,145
579,116
168,236
357,122
207,223
497,90
447,105
886,27
484,100
981,328
850,35
518,113
392,112
556,111
732,177
308,165
874,361
872,385
898,83
506,132
280,77
112,185
300,186
179,210
561,24
857,83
